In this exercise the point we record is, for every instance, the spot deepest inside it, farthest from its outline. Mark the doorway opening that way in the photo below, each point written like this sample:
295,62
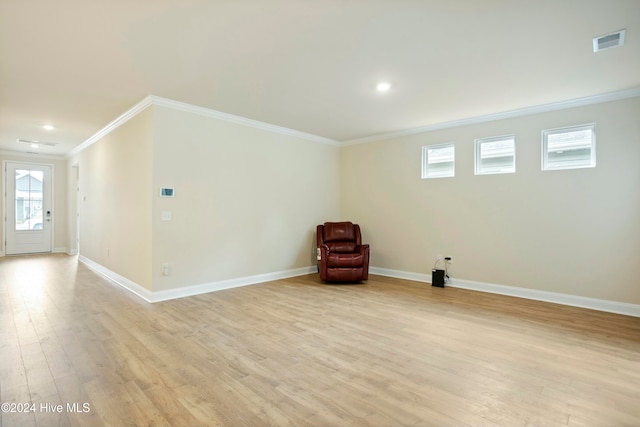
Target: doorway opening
28,204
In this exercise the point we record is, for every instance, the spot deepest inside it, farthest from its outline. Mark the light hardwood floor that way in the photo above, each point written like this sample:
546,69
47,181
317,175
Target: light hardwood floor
297,352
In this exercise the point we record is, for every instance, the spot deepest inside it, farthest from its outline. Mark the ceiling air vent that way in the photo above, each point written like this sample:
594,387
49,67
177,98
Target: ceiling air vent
26,141
608,41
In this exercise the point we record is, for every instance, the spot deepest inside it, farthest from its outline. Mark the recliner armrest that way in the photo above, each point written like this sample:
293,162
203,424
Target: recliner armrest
362,248
323,250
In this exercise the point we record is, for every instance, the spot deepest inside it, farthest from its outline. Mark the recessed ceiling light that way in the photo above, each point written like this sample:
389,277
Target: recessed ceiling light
383,86
48,127
34,146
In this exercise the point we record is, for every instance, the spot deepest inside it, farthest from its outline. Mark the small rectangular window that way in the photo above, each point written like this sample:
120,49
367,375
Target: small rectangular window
496,155
569,148
438,161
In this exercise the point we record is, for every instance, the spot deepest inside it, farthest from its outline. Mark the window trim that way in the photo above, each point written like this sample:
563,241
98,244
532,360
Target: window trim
425,160
478,143
567,129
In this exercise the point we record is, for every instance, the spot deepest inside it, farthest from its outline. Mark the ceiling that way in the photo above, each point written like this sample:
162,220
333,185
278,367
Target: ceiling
307,65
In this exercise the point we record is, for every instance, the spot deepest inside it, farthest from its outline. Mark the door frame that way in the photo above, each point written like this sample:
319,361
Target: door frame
75,170
5,203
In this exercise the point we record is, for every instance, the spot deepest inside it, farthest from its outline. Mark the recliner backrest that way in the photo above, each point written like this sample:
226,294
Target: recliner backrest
341,236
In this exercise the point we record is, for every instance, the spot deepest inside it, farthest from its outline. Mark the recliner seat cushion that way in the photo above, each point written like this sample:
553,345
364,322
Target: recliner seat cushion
337,260
344,247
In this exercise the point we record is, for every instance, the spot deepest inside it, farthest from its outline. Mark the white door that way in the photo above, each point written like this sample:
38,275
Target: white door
28,220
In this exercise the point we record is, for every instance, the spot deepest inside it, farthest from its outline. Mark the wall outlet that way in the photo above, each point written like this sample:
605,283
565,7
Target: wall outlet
165,269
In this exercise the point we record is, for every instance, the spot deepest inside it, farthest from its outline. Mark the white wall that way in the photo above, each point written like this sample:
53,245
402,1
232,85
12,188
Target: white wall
116,194
247,200
246,203
573,231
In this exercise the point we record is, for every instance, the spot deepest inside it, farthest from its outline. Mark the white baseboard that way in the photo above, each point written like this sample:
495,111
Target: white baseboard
229,283
54,251
204,288
119,280
533,294
398,274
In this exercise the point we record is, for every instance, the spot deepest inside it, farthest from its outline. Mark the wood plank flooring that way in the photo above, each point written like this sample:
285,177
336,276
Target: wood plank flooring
297,352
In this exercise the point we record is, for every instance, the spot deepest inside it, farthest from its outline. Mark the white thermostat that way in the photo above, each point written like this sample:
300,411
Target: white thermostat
166,192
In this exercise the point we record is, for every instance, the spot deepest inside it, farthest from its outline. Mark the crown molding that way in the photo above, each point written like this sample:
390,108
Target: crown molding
527,111
193,109
207,112
119,121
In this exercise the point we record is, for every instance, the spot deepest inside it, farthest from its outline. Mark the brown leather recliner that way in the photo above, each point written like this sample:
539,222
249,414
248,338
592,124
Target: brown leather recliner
341,255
